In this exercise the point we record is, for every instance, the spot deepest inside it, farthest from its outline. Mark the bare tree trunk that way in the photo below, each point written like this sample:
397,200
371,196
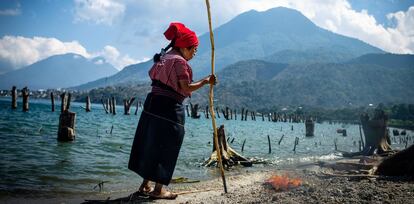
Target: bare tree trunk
104,106
63,102
230,157
66,129
88,104
375,132
310,127
52,97
14,98
194,111
68,101
25,95
127,105
113,105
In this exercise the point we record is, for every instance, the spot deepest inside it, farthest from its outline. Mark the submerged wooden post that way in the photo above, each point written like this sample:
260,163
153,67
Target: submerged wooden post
188,112
63,102
127,105
14,98
270,146
336,146
245,115
242,114
52,97
88,104
113,105
136,110
310,127
296,143
235,114
194,111
217,112
68,101
66,129
25,95
104,106
244,142
281,139
207,112
110,105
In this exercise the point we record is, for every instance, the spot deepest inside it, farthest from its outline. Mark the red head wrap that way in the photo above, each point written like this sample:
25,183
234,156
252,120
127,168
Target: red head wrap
183,36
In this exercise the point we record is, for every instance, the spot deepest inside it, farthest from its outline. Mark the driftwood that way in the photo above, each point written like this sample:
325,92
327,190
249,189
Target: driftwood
229,156
14,98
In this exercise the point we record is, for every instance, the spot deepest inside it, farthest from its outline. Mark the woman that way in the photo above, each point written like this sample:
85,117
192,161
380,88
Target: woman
160,130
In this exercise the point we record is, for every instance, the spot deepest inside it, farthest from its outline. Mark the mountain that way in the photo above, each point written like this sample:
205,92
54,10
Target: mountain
131,74
371,78
254,35
259,35
57,71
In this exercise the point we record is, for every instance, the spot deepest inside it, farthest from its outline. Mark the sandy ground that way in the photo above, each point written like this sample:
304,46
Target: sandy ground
332,182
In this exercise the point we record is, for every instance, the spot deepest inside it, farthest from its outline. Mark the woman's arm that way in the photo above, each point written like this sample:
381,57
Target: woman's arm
190,87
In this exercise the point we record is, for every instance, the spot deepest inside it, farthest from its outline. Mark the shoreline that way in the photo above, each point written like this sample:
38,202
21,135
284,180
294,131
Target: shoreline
322,182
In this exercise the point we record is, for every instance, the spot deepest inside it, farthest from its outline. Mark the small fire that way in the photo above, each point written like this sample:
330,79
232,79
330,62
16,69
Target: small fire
283,183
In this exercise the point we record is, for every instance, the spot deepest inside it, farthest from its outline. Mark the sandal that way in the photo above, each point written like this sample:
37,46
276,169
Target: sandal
167,195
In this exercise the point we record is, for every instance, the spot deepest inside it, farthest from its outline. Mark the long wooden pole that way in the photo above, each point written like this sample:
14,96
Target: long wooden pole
213,120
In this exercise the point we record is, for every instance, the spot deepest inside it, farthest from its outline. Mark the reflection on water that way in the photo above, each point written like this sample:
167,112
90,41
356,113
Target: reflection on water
32,159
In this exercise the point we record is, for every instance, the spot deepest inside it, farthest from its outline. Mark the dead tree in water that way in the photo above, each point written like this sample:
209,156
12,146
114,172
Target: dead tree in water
14,97
63,102
127,105
188,112
104,106
136,110
25,95
194,111
375,132
310,127
113,105
230,157
66,129
52,97
207,110
88,104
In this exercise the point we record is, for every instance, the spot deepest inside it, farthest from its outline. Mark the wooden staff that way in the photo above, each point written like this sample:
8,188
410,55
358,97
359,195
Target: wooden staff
218,150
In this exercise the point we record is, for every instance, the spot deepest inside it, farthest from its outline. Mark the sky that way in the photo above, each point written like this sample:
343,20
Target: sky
126,32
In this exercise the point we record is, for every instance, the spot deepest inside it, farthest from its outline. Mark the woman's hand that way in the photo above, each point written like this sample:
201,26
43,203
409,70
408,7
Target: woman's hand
210,79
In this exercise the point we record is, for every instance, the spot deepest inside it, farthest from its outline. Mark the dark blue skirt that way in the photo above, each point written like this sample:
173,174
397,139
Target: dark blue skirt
158,139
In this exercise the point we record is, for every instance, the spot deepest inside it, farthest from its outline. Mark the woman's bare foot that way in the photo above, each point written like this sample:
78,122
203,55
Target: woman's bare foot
160,193
145,188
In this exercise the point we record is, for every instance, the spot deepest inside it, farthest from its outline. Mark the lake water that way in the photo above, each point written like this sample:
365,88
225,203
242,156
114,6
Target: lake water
31,158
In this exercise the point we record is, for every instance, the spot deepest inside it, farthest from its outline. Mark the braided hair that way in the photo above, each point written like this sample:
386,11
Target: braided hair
157,56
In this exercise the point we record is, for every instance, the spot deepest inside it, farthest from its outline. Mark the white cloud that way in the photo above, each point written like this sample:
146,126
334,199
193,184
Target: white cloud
112,56
98,11
17,51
